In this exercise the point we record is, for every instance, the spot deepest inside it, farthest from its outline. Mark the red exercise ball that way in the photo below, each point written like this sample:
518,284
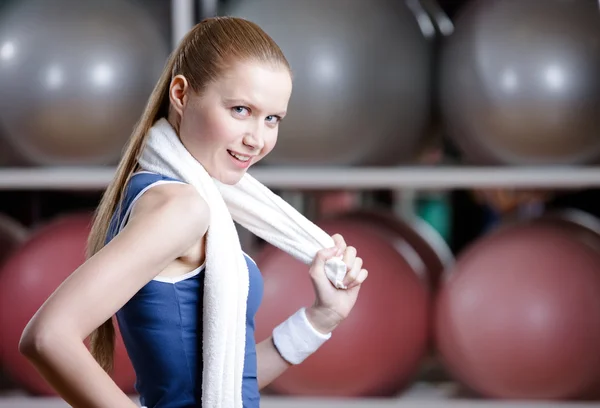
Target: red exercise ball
12,235
27,279
336,202
379,347
422,246
519,314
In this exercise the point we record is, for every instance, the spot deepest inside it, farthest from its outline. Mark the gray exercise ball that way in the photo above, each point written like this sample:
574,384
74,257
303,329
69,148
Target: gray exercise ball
75,76
9,157
520,82
362,79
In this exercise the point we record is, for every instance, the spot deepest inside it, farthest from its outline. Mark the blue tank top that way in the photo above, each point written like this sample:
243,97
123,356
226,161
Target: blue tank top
161,325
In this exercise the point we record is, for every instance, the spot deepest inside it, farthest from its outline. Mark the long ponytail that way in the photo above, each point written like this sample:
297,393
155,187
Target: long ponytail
102,340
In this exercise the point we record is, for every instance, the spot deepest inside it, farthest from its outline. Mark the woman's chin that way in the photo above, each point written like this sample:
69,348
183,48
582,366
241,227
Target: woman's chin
228,174
230,178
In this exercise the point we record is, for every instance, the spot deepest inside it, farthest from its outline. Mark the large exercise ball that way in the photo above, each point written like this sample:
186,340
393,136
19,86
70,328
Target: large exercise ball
28,278
75,77
12,235
378,349
421,245
362,79
587,228
518,315
520,83
9,156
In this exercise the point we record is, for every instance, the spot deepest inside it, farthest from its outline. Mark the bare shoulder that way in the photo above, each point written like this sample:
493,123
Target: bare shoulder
165,221
177,206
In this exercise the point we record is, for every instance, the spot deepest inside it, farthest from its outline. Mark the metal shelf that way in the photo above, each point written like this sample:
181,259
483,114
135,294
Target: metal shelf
325,178
419,394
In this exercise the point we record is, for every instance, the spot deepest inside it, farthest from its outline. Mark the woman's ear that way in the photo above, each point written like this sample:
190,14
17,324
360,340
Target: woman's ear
179,93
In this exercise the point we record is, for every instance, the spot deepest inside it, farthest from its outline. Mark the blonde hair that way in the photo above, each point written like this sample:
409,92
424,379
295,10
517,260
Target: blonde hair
202,56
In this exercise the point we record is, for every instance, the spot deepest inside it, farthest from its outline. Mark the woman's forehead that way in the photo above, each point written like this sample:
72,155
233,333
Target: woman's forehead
257,83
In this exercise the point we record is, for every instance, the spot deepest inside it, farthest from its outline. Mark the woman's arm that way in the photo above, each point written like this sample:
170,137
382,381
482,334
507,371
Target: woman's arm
331,307
156,234
270,363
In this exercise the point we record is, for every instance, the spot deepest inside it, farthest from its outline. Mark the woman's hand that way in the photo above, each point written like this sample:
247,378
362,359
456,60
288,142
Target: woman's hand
333,305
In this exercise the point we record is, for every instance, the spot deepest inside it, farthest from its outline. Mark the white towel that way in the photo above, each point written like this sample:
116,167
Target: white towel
262,212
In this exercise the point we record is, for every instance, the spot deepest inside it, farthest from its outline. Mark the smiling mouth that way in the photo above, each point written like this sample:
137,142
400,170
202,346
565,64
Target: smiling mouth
242,158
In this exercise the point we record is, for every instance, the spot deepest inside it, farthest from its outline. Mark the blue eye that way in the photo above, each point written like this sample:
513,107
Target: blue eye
273,119
240,110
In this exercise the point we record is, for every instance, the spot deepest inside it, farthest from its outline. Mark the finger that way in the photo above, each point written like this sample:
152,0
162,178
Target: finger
353,273
323,256
362,276
349,257
340,243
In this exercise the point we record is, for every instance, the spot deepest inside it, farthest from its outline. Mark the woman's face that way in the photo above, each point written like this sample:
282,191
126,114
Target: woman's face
234,122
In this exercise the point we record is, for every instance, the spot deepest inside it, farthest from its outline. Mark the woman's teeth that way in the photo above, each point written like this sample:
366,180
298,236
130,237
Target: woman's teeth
239,157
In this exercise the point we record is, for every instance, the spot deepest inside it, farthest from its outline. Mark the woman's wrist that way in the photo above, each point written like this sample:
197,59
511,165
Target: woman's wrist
296,338
324,320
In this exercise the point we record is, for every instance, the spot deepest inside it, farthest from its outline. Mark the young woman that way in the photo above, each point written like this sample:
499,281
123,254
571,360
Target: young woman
224,91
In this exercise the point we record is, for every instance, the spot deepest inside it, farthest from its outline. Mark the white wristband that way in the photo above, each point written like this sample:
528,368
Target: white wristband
296,338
